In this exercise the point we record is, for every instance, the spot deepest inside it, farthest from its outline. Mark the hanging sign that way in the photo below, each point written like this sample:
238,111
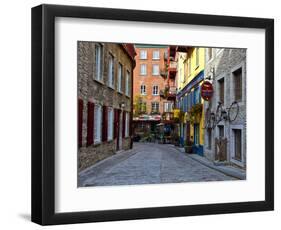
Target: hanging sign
207,90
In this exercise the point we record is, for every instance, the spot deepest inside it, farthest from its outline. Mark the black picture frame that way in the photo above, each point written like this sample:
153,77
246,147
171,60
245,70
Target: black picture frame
43,114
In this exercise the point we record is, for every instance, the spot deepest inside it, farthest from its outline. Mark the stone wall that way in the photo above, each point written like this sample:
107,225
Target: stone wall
222,65
99,92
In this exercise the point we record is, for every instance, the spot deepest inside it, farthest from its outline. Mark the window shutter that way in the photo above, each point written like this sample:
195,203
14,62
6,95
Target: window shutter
123,124
104,123
90,124
130,124
115,123
80,121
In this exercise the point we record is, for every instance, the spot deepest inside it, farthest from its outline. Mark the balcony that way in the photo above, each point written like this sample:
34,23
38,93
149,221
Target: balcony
172,51
182,49
165,56
172,92
172,69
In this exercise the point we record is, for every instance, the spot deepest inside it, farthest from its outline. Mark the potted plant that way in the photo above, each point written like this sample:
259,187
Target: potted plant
188,146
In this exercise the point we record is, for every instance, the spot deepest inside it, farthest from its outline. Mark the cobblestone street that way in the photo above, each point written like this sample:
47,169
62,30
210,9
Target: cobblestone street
148,163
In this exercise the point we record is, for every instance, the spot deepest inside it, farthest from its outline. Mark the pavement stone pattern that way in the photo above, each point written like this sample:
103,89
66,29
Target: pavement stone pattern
148,163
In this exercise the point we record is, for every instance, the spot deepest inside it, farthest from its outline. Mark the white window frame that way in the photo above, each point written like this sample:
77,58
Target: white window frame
154,56
110,75
98,62
143,89
127,80
153,103
158,70
109,123
154,89
169,107
143,69
97,123
143,54
120,77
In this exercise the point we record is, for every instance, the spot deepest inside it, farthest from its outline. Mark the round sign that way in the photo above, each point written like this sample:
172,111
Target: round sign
207,90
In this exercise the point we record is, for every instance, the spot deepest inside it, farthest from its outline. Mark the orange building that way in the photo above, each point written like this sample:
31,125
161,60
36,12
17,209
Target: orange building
149,82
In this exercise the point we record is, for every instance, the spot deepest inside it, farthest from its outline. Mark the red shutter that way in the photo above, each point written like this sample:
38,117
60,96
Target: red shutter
123,124
104,123
115,123
80,121
90,123
130,124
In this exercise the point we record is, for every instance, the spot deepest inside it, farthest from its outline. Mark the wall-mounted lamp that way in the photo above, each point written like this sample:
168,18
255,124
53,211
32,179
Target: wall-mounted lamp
122,105
211,76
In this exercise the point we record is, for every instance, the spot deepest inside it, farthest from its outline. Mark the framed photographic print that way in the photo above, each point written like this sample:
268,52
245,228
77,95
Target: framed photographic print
143,114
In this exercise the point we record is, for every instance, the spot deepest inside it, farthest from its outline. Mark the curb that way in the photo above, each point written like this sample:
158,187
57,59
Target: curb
229,171
223,169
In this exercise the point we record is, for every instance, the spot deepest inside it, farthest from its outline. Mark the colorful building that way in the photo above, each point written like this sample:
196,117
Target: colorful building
191,62
149,107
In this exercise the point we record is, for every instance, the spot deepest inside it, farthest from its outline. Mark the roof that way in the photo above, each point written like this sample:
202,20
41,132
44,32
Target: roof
150,46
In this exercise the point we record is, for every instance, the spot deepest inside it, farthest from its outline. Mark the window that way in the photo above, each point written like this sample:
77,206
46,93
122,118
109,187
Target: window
197,57
155,55
221,131
127,83
155,90
143,54
168,106
154,107
155,69
237,144
110,70
143,69
196,95
188,66
97,124
110,124
142,106
143,89
237,78
120,77
127,124
196,134
98,62
209,53
221,90
209,133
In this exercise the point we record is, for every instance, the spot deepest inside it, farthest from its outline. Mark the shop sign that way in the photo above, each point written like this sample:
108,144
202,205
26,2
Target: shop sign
207,90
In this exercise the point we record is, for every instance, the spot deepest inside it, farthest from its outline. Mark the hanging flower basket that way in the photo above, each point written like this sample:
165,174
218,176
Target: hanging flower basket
195,113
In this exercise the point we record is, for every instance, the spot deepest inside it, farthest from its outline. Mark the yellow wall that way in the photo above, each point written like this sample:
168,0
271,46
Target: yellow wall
195,69
180,58
190,73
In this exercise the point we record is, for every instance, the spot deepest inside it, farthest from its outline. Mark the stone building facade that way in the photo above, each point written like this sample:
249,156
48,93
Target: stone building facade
105,79
226,140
